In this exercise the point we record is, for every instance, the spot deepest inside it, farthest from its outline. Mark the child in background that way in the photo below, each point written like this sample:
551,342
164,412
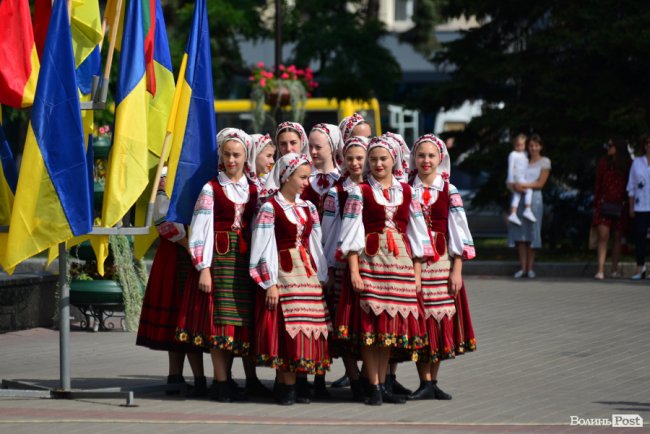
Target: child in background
517,164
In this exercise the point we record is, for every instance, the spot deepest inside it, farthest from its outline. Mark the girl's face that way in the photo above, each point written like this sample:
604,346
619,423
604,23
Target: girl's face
289,141
534,148
298,181
319,148
354,159
427,158
381,163
234,157
362,130
520,144
264,160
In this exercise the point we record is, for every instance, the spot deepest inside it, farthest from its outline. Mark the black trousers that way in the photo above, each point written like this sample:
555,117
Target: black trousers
641,224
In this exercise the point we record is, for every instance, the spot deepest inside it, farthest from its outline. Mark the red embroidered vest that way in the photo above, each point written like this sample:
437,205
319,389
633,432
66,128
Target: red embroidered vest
224,209
311,195
374,215
286,232
436,217
342,196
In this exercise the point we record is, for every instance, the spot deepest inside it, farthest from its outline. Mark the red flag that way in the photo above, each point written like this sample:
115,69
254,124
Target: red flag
42,12
18,55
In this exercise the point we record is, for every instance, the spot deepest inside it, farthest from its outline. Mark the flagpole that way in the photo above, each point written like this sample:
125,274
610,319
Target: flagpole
64,319
111,50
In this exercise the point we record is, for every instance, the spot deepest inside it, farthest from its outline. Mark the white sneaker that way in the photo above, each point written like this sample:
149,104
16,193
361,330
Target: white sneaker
514,219
528,214
519,274
531,274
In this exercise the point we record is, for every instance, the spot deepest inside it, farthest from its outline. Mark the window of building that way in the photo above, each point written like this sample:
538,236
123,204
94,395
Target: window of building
404,10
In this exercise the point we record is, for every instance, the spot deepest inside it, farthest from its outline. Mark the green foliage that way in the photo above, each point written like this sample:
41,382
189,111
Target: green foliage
574,72
343,39
131,278
422,35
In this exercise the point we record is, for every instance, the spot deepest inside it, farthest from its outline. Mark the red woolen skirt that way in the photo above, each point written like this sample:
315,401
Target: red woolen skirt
160,306
195,319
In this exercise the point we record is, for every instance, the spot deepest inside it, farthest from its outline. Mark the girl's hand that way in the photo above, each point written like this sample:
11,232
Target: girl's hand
455,283
272,297
205,280
357,283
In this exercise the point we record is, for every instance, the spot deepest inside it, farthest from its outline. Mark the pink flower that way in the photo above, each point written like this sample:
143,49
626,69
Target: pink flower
281,67
260,65
263,82
251,78
292,68
284,76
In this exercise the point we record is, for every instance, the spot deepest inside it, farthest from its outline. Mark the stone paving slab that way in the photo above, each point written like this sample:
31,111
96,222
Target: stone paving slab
548,349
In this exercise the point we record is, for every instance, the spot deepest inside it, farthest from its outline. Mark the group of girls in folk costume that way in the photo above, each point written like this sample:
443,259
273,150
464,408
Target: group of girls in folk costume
385,286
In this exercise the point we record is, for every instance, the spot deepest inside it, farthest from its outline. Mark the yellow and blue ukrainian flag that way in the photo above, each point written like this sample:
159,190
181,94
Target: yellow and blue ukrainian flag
193,157
53,199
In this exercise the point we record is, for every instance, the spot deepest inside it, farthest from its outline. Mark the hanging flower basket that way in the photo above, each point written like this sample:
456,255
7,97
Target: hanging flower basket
288,90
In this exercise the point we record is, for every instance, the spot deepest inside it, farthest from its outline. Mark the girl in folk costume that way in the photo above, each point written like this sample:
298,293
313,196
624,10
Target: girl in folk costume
219,244
264,150
291,137
292,321
353,155
401,174
324,148
163,296
382,230
354,126
447,318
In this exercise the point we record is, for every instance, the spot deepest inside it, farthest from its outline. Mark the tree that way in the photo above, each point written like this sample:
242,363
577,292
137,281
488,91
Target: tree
574,72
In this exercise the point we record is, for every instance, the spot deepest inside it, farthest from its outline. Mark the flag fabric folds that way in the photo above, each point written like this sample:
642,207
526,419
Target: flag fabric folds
159,110
52,202
8,177
18,55
127,173
86,27
193,157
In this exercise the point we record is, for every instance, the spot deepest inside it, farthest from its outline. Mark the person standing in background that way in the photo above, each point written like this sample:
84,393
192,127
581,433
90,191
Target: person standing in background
638,189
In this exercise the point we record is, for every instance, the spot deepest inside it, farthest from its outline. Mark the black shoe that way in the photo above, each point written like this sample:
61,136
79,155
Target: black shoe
365,385
320,390
393,386
200,388
425,391
358,393
439,392
390,397
286,394
175,379
220,391
375,397
302,391
344,381
255,387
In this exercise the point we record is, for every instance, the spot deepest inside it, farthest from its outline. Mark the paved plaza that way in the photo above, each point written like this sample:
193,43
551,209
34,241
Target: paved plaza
548,349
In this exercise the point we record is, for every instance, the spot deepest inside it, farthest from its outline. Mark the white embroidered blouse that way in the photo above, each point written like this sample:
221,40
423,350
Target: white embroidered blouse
459,240
171,231
332,221
264,250
202,226
353,233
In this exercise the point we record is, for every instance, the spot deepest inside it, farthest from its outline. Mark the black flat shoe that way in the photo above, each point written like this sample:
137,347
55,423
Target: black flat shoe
375,395
200,388
393,386
256,388
358,393
439,393
302,391
425,391
286,394
320,390
344,381
388,396
175,379
220,391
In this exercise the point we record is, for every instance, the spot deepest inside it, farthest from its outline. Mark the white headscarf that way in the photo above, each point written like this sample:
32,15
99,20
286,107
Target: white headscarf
334,139
282,170
348,123
260,141
389,145
294,127
401,172
359,141
240,136
444,168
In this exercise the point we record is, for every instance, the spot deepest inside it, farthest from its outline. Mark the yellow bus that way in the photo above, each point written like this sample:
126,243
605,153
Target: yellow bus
237,113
